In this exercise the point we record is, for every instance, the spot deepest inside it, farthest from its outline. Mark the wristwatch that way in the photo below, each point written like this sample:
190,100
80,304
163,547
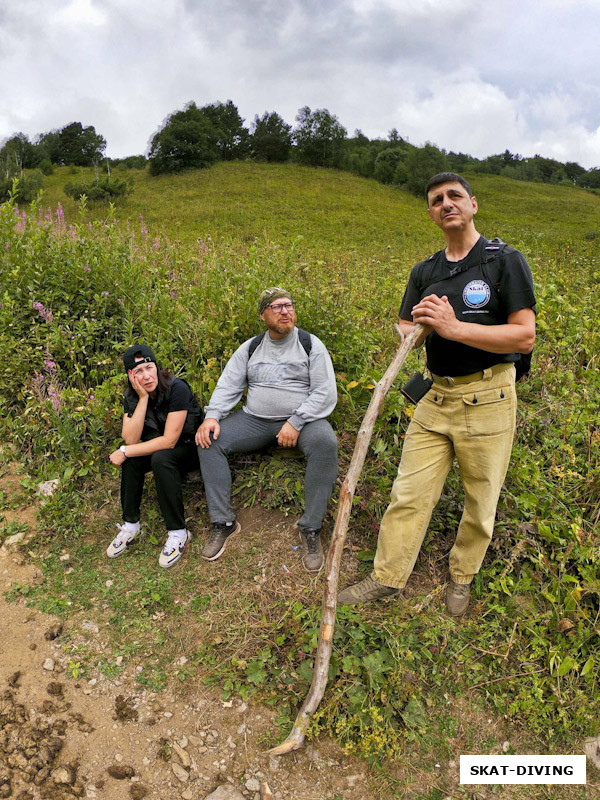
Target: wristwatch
123,449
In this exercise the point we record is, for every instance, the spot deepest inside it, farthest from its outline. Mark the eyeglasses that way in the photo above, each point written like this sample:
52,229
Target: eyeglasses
278,308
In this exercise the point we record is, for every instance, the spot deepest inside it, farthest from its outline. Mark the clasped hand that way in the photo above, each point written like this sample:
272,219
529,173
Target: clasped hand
437,313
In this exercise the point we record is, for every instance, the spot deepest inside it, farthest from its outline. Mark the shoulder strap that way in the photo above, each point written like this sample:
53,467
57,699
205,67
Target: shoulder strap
495,249
303,336
254,344
305,340
492,250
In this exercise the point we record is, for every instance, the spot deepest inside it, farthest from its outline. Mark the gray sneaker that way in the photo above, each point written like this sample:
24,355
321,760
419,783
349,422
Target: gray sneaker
457,598
365,591
219,534
312,549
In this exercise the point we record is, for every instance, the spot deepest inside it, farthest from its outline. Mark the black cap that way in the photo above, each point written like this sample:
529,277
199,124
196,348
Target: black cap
137,354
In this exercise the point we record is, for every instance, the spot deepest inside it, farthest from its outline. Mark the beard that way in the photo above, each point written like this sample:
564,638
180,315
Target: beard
282,328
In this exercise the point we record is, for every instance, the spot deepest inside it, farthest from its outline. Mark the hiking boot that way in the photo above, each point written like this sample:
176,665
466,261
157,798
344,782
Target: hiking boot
312,549
457,598
127,534
365,591
173,549
219,534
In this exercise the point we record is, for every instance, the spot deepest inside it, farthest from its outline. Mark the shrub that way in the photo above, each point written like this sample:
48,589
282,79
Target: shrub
46,166
24,190
104,190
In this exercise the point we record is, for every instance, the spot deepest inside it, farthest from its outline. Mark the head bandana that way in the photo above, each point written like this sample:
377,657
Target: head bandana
269,295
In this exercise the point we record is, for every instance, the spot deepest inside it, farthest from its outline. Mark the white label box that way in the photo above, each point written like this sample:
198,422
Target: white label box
522,769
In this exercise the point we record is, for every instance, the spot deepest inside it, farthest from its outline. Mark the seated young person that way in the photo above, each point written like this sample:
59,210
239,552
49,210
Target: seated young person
160,420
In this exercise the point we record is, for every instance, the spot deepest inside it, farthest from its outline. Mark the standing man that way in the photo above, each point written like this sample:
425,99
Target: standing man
290,384
476,301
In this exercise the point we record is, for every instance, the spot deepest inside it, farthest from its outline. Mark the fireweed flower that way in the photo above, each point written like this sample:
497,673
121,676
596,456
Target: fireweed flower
54,398
45,313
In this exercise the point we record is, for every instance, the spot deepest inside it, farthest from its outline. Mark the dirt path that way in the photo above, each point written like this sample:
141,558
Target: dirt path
63,736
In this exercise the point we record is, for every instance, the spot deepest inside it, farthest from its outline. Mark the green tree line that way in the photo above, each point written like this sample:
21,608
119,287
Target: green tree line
196,137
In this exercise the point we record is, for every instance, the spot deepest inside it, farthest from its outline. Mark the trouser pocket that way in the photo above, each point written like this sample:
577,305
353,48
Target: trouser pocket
428,409
489,412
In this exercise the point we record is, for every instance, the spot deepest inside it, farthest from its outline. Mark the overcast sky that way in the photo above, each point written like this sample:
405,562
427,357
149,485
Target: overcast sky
469,75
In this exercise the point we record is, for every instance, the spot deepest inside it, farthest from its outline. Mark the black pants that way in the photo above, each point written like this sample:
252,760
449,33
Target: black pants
168,467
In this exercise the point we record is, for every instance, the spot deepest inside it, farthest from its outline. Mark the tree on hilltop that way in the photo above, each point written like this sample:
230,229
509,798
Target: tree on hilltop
17,153
271,138
319,138
73,144
186,140
387,162
232,139
421,163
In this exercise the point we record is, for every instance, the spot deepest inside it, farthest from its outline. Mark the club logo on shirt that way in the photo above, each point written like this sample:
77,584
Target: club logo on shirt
476,294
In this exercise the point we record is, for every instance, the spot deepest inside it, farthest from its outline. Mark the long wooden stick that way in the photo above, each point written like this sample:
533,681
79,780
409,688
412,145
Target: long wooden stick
332,568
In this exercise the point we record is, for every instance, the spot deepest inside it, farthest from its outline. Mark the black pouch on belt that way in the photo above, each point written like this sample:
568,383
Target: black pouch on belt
417,387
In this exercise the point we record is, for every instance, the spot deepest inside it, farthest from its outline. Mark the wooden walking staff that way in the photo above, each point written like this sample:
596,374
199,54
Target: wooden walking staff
332,568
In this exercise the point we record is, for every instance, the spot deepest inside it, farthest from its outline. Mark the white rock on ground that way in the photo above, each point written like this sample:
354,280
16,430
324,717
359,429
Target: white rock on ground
225,792
179,772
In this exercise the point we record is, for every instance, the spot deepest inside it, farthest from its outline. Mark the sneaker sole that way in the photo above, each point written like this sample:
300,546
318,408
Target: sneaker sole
120,553
237,529
310,571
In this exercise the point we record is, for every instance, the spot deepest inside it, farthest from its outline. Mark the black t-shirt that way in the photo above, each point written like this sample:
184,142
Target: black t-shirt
180,398
486,286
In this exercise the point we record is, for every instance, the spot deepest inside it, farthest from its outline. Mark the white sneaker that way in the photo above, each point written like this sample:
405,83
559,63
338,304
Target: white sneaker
127,534
173,549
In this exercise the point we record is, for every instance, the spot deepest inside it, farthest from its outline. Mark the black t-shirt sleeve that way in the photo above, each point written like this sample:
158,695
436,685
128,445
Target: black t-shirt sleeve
412,295
180,398
516,283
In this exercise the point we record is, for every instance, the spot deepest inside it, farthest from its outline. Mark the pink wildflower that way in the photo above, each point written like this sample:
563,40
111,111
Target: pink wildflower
45,313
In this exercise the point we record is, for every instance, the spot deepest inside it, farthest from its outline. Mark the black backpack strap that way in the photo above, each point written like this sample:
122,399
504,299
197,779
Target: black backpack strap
305,340
495,250
254,344
304,337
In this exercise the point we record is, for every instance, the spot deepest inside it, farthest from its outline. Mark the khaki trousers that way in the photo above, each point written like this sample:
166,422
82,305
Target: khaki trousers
473,422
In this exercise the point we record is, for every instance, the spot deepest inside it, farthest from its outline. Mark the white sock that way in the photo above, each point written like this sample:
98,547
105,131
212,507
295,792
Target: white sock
181,533
130,527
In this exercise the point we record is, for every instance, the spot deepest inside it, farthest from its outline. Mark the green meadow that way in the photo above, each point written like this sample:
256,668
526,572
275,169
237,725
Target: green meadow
179,264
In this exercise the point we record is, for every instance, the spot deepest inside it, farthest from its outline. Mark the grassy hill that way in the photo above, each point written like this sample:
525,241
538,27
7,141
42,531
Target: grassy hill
181,267
338,215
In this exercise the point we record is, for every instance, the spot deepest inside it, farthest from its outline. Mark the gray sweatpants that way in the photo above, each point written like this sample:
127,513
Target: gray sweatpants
244,433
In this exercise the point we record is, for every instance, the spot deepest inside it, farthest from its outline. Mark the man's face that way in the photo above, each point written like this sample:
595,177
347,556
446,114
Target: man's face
146,375
450,206
279,317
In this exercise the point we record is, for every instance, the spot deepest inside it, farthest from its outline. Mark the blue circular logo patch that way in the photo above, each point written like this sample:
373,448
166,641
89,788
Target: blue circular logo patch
476,294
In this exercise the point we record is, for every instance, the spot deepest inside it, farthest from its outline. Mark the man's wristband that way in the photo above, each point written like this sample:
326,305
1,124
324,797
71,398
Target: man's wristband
123,449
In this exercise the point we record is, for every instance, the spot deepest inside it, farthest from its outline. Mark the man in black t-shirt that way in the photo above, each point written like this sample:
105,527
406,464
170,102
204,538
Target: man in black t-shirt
476,301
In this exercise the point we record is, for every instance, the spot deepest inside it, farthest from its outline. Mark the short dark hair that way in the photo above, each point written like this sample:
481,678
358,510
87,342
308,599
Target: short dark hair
446,177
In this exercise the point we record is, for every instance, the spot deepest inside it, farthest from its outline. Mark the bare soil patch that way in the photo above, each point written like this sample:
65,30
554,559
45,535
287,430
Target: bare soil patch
63,736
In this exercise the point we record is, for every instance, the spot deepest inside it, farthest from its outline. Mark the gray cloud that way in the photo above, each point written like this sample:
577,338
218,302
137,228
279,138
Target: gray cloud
471,76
